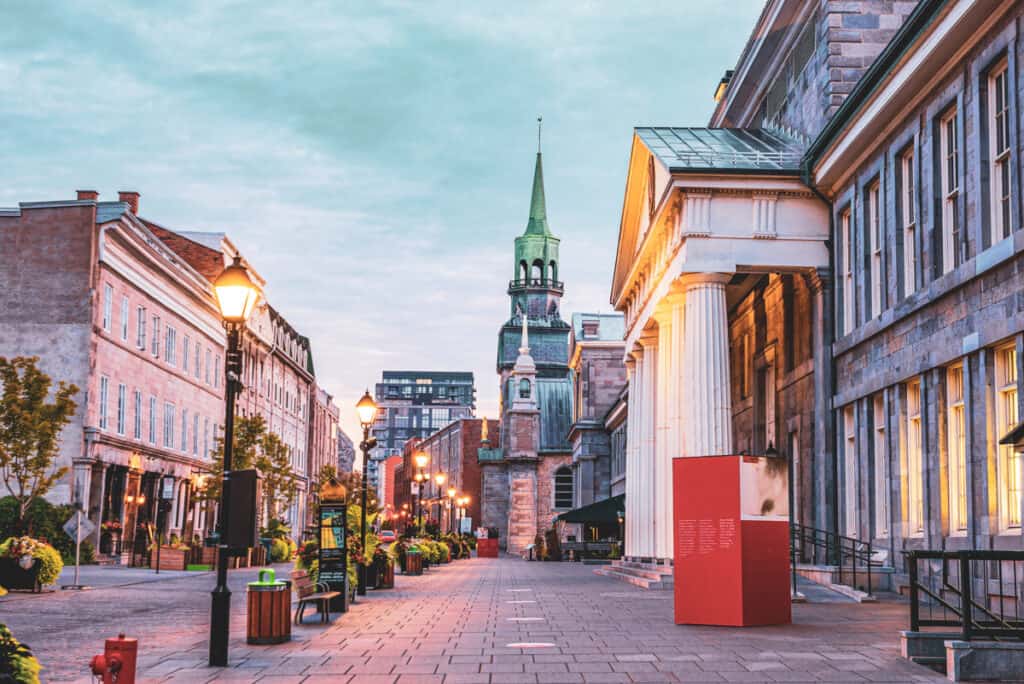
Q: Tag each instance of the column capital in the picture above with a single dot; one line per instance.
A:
(648, 339)
(818, 279)
(688, 281)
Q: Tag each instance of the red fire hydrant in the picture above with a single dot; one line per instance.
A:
(117, 664)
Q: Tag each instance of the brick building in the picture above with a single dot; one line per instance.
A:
(105, 304)
(830, 270)
(596, 352)
(453, 451)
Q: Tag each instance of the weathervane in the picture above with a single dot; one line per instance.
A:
(540, 122)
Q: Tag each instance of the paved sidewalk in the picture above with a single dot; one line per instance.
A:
(507, 620)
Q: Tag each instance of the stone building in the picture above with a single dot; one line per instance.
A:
(107, 305)
(596, 353)
(346, 452)
(830, 270)
(323, 440)
(519, 481)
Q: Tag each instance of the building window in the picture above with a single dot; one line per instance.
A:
(184, 430)
(846, 272)
(186, 347)
(908, 213)
(744, 365)
(108, 303)
(152, 420)
(881, 469)
(999, 150)
(122, 407)
(874, 228)
(563, 487)
(956, 439)
(198, 360)
(124, 318)
(155, 336)
(209, 358)
(195, 435)
(104, 391)
(171, 346)
(168, 425)
(524, 388)
(216, 370)
(140, 327)
(137, 426)
(850, 470)
(950, 177)
(1009, 465)
(206, 437)
(913, 473)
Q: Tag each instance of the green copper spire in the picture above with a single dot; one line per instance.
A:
(538, 223)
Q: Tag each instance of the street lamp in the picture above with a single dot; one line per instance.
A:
(236, 298)
(439, 478)
(422, 459)
(451, 508)
(367, 410)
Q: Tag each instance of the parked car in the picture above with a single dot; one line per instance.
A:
(387, 536)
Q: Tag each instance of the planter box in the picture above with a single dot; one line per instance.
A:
(486, 548)
(170, 558)
(13, 576)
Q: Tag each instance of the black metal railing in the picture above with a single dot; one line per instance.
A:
(536, 282)
(980, 593)
(851, 557)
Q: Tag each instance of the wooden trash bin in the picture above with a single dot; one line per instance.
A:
(269, 610)
(385, 573)
(413, 563)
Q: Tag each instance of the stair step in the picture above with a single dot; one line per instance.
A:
(624, 575)
(936, 663)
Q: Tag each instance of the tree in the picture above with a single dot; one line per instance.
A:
(353, 482)
(30, 428)
(327, 473)
(279, 484)
(248, 435)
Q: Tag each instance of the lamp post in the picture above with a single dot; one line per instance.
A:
(367, 410)
(422, 459)
(451, 508)
(236, 298)
(439, 478)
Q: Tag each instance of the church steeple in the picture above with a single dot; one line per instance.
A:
(538, 223)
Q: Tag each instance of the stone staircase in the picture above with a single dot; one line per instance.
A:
(644, 575)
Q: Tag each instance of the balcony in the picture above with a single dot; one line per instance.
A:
(528, 283)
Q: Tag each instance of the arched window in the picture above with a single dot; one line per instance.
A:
(553, 271)
(524, 270)
(538, 271)
(524, 389)
(563, 487)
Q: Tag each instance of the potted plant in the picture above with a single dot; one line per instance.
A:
(173, 554)
(28, 564)
(110, 536)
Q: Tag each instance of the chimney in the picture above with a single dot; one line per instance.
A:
(88, 194)
(131, 198)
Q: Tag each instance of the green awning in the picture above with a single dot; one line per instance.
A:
(603, 511)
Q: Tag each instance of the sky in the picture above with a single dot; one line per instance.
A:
(372, 160)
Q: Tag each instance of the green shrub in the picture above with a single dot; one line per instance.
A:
(44, 521)
(279, 551)
(50, 563)
(16, 660)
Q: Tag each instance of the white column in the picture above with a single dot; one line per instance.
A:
(707, 407)
(669, 315)
(648, 422)
(633, 369)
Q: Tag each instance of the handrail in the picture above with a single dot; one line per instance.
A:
(812, 545)
(954, 593)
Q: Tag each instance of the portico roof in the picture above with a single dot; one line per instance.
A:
(723, 150)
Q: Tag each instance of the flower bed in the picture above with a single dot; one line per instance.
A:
(171, 558)
(28, 564)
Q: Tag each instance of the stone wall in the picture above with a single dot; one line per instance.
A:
(545, 506)
(494, 498)
(523, 501)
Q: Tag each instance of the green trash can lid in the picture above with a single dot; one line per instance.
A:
(262, 582)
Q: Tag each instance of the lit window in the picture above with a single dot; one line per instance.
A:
(104, 391)
(908, 202)
(875, 242)
(956, 449)
(999, 151)
(1009, 463)
(850, 470)
(881, 469)
(108, 303)
(913, 472)
(846, 272)
(124, 318)
(950, 172)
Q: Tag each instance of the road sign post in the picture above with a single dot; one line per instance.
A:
(78, 529)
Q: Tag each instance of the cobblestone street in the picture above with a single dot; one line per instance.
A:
(480, 620)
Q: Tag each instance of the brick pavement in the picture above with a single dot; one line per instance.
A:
(505, 620)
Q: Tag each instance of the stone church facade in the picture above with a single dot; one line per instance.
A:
(831, 269)
(520, 476)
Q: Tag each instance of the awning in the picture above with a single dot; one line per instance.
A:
(1014, 436)
(604, 511)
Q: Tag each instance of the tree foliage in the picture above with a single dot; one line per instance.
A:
(279, 484)
(30, 426)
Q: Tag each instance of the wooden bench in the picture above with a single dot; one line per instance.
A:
(309, 592)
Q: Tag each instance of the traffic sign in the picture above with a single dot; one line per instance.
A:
(84, 529)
